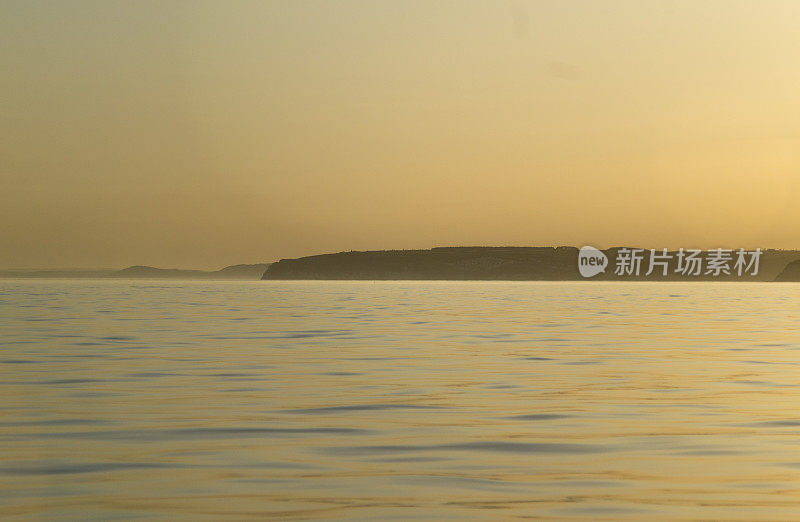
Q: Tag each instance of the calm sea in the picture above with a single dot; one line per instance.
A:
(399, 400)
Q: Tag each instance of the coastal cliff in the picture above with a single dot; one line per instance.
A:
(486, 263)
(790, 273)
(455, 263)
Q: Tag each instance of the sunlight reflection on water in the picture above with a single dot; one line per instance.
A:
(399, 400)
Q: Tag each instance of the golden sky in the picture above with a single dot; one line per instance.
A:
(201, 134)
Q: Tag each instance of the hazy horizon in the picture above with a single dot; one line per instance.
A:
(216, 268)
(202, 134)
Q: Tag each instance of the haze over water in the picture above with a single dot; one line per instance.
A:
(235, 400)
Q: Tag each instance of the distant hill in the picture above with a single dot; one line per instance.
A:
(243, 271)
(69, 273)
(229, 272)
(151, 272)
(253, 272)
(485, 263)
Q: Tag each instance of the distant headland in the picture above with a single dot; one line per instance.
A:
(496, 264)
(254, 271)
(790, 273)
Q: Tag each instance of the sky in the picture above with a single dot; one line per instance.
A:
(201, 134)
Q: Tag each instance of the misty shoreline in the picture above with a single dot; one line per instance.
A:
(242, 271)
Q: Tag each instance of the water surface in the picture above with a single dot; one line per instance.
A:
(399, 400)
